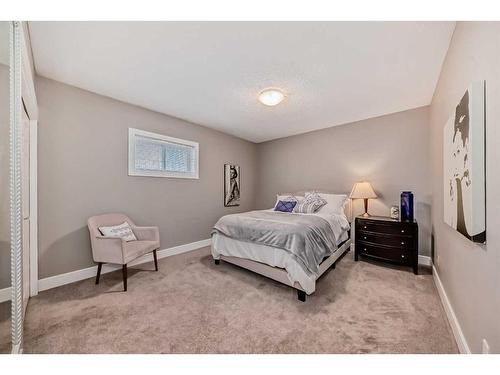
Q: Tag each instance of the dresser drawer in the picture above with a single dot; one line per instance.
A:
(401, 242)
(391, 254)
(384, 227)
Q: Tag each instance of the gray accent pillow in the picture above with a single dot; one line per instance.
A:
(311, 203)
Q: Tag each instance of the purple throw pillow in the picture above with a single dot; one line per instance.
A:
(285, 206)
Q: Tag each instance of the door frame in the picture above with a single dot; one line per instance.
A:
(15, 190)
(30, 104)
(33, 208)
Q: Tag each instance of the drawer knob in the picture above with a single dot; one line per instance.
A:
(402, 256)
(364, 249)
(364, 227)
(364, 237)
(402, 230)
(402, 243)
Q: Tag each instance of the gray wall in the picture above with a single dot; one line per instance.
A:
(469, 272)
(4, 177)
(83, 171)
(82, 160)
(389, 151)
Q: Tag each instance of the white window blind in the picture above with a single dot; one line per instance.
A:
(157, 155)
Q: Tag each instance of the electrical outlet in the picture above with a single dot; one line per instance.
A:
(437, 260)
(486, 347)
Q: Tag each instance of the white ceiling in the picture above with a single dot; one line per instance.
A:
(211, 72)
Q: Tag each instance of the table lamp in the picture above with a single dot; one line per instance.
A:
(363, 190)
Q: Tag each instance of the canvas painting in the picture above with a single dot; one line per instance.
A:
(464, 166)
(231, 185)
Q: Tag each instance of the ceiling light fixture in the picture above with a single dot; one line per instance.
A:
(271, 97)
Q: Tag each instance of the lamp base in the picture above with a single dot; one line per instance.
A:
(366, 214)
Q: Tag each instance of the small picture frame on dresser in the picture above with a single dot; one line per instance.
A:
(388, 240)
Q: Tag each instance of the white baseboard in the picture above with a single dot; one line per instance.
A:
(87, 273)
(425, 260)
(5, 294)
(463, 347)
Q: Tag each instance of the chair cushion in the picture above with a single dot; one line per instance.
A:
(134, 249)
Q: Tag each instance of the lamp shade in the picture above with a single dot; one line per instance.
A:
(362, 190)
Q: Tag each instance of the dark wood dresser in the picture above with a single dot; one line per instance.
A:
(389, 240)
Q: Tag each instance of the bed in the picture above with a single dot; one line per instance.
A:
(289, 247)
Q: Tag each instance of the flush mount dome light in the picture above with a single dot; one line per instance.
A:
(271, 97)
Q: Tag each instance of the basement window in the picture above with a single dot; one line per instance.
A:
(157, 155)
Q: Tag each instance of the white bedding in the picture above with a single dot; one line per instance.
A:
(275, 257)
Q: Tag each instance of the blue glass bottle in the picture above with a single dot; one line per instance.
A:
(406, 206)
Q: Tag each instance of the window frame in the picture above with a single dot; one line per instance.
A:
(132, 171)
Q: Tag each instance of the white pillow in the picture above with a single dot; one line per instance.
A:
(311, 204)
(335, 203)
(119, 231)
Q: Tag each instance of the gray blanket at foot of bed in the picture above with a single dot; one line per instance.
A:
(308, 238)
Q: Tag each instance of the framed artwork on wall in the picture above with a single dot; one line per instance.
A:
(464, 165)
(231, 185)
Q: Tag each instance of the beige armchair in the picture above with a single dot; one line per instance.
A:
(118, 251)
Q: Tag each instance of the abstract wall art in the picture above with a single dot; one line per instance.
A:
(464, 165)
(231, 185)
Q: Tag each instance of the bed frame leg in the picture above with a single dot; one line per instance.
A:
(217, 261)
(301, 295)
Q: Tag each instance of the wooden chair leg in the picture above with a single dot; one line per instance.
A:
(99, 267)
(124, 272)
(156, 260)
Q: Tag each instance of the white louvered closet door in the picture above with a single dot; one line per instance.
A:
(25, 182)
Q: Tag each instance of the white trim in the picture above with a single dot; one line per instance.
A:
(133, 133)
(16, 349)
(16, 217)
(463, 347)
(425, 260)
(5, 294)
(90, 272)
(33, 208)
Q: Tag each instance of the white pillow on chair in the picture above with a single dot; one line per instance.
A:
(119, 231)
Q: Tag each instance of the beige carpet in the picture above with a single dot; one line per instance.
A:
(194, 306)
(5, 338)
